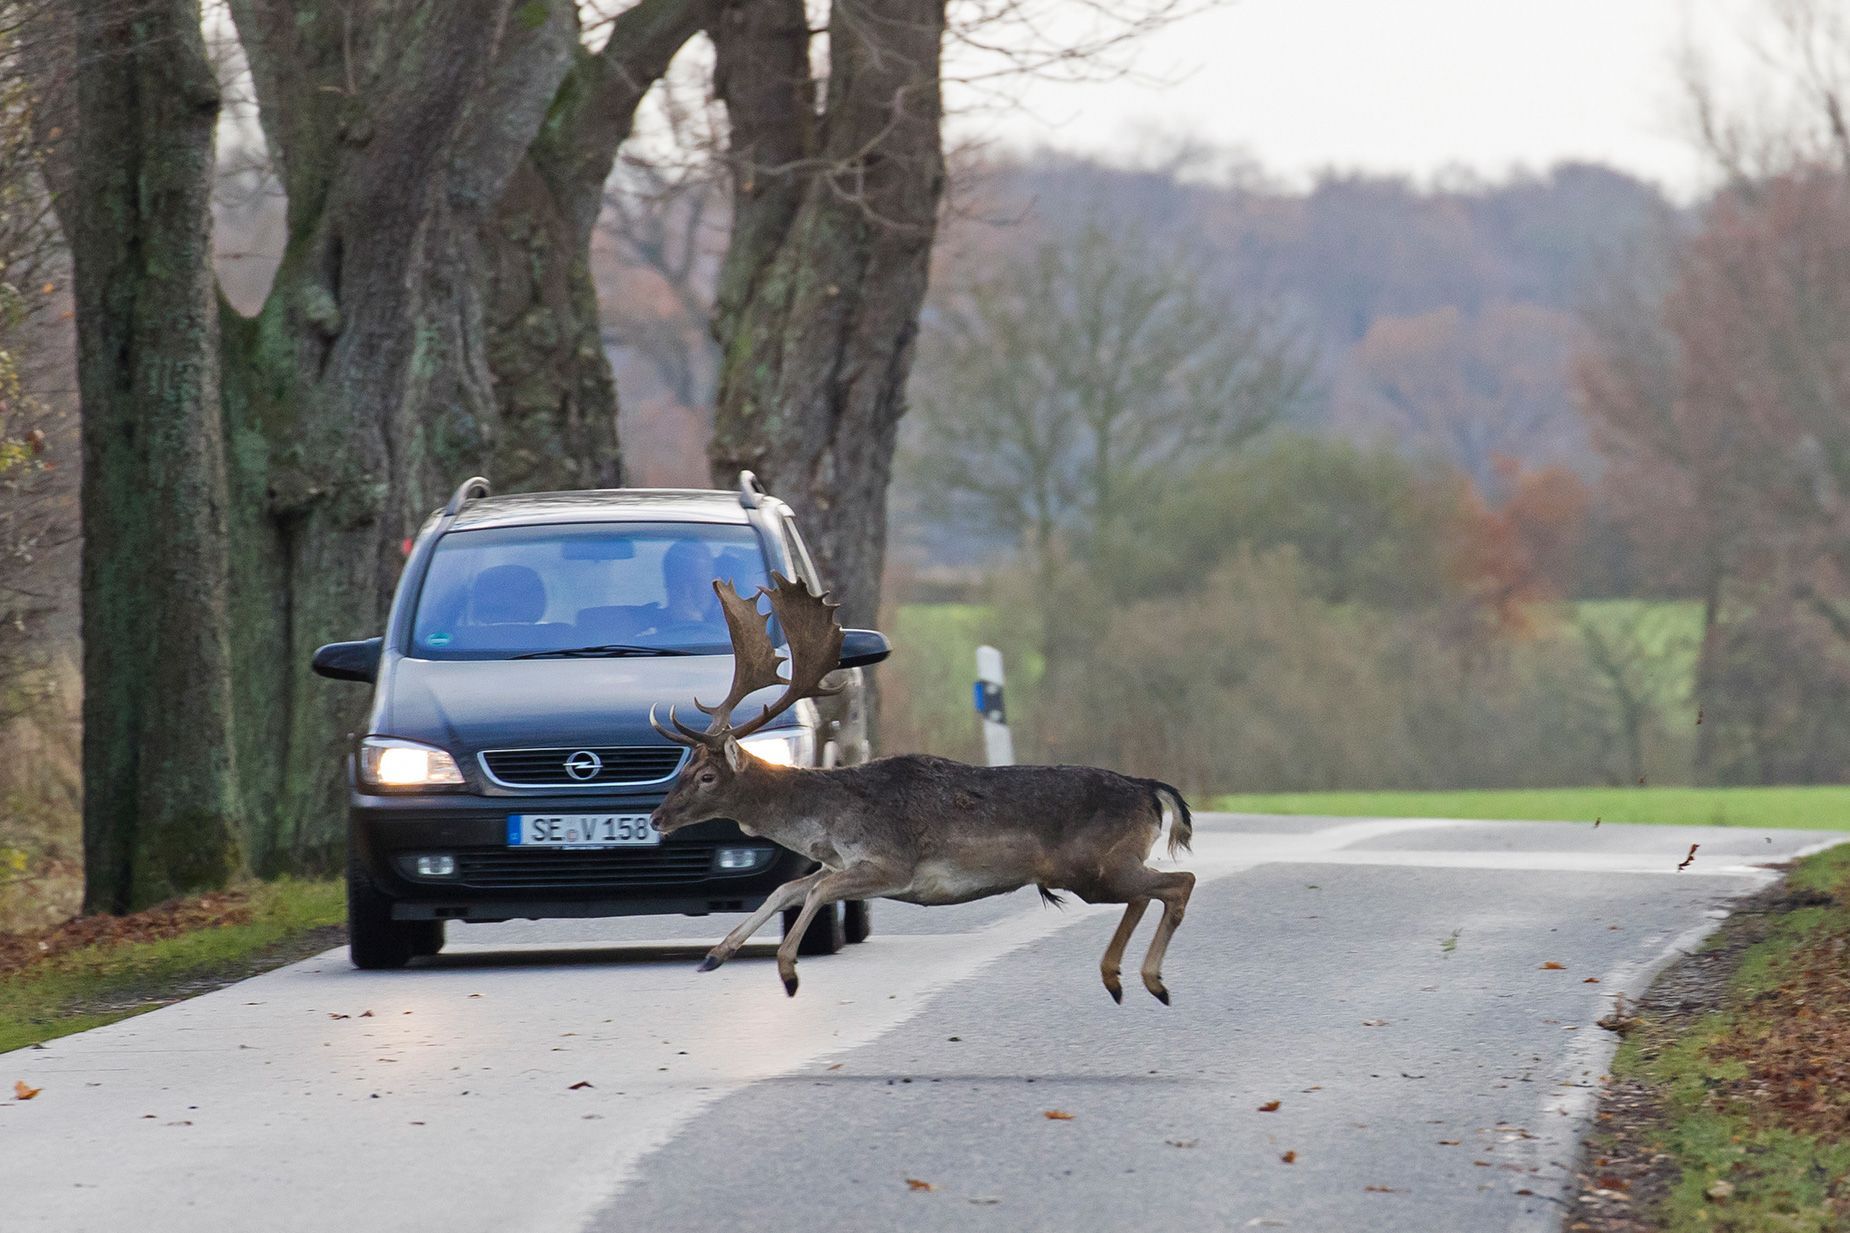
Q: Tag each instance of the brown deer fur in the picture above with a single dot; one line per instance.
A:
(921, 829)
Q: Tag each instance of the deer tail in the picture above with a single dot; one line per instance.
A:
(1182, 833)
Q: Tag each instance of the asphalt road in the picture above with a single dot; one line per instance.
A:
(1382, 981)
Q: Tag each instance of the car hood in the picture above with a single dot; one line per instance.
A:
(470, 705)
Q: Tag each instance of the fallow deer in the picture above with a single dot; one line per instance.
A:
(918, 829)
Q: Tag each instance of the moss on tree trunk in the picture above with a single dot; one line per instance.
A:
(160, 804)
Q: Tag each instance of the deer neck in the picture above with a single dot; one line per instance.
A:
(791, 806)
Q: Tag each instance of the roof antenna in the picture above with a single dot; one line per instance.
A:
(751, 492)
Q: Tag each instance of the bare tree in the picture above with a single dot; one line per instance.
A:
(1064, 385)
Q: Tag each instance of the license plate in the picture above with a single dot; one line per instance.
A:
(580, 830)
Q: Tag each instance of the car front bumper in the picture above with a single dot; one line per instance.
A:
(496, 882)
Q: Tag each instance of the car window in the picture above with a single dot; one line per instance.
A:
(505, 591)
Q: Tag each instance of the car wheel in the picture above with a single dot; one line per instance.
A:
(857, 919)
(374, 940)
(826, 933)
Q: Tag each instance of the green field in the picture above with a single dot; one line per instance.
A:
(1821, 808)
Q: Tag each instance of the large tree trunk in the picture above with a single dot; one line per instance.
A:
(556, 396)
(433, 317)
(819, 299)
(160, 800)
(361, 391)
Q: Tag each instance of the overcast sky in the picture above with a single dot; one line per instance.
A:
(1414, 86)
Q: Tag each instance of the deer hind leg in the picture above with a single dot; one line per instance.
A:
(789, 893)
(1114, 954)
(854, 882)
(1173, 889)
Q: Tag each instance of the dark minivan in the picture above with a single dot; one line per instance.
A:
(508, 768)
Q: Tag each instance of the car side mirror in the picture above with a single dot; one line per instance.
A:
(349, 661)
(861, 647)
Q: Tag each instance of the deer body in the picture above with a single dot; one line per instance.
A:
(914, 828)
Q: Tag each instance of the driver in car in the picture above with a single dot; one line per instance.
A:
(687, 581)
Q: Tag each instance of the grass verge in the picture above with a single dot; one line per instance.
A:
(96, 970)
(1728, 1107)
(1808, 808)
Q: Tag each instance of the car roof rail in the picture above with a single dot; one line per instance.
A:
(474, 486)
(751, 492)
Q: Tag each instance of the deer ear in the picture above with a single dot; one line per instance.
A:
(735, 755)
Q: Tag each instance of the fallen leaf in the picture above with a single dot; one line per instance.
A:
(913, 1183)
(335, 1015)
(1181, 1142)
(1719, 1191)
(1057, 1115)
(1552, 966)
(836, 1066)
(1374, 1023)
(366, 1014)
(582, 1083)
(1450, 1142)
(24, 1091)
(1270, 1106)
(1379, 1189)
(1691, 857)
(983, 1200)
(1289, 1158)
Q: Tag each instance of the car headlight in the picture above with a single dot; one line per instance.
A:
(387, 762)
(788, 748)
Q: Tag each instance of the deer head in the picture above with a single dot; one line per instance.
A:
(709, 786)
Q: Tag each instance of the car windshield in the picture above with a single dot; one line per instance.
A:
(582, 589)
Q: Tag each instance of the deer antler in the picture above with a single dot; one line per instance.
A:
(754, 660)
(815, 639)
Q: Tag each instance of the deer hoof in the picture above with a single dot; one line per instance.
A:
(1116, 991)
(709, 963)
(1162, 994)
(790, 984)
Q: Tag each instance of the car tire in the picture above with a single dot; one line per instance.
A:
(857, 920)
(826, 933)
(376, 942)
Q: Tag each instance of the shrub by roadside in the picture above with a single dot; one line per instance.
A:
(1728, 1107)
(94, 970)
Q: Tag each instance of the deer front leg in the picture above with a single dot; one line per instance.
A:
(1173, 889)
(854, 882)
(779, 899)
(1114, 953)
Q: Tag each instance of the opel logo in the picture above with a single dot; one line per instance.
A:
(583, 765)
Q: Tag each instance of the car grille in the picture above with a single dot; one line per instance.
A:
(616, 765)
(611, 868)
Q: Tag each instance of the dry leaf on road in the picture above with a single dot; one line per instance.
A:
(1289, 1158)
(1270, 1106)
(582, 1083)
(1552, 966)
(24, 1091)
(1690, 858)
(1057, 1115)
(913, 1183)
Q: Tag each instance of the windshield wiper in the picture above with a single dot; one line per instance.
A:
(610, 649)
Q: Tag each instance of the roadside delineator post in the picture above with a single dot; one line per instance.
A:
(998, 744)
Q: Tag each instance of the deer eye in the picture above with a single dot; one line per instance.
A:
(709, 777)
